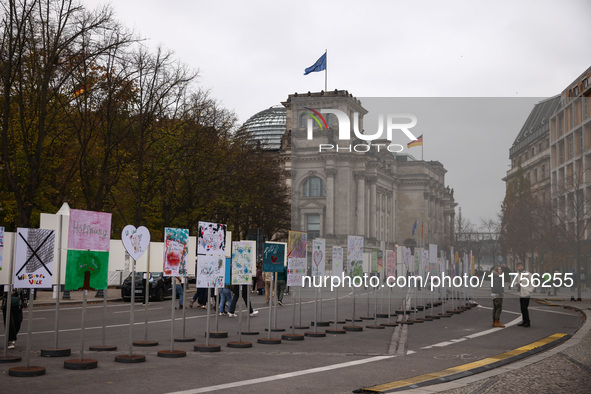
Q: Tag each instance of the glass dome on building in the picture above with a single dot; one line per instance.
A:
(268, 127)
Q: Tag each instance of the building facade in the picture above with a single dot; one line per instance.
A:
(553, 149)
(389, 198)
(570, 157)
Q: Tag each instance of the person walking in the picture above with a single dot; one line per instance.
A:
(179, 290)
(497, 291)
(281, 285)
(19, 299)
(260, 283)
(267, 276)
(225, 295)
(525, 289)
(201, 297)
(235, 296)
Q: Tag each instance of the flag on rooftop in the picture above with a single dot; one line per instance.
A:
(417, 142)
(320, 65)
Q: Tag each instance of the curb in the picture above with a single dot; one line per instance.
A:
(461, 382)
(458, 372)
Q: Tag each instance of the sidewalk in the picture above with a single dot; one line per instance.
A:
(563, 369)
(45, 298)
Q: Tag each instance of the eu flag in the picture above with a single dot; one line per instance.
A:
(320, 65)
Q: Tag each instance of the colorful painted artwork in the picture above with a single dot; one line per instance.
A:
(318, 256)
(211, 271)
(89, 230)
(274, 256)
(33, 264)
(228, 271)
(296, 269)
(87, 269)
(425, 261)
(243, 256)
(211, 239)
(176, 249)
(297, 244)
(390, 263)
(355, 255)
(374, 261)
(337, 261)
(135, 240)
(432, 253)
(406, 258)
(355, 247)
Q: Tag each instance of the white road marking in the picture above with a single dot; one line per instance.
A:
(282, 376)
(472, 336)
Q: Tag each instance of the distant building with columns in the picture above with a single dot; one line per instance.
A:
(377, 194)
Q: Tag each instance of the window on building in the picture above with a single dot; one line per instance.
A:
(331, 119)
(313, 225)
(304, 120)
(314, 187)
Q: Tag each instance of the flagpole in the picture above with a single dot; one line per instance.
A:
(326, 71)
(422, 147)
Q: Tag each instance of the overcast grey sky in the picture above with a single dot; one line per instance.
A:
(252, 54)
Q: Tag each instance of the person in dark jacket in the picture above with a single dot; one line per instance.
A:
(19, 300)
(497, 292)
(259, 279)
(235, 297)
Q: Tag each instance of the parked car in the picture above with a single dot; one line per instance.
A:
(160, 286)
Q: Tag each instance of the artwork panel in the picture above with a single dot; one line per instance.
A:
(211, 239)
(337, 261)
(33, 265)
(297, 244)
(81, 264)
(243, 257)
(355, 247)
(355, 268)
(390, 263)
(318, 257)
(274, 256)
(89, 230)
(296, 269)
(210, 271)
(135, 240)
(228, 271)
(176, 249)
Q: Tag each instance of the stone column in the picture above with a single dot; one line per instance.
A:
(373, 207)
(360, 177)
(330, 201)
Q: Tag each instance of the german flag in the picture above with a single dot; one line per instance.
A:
(417, 142)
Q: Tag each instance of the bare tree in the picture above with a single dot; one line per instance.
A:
(571, 211)
(44, 42)
(517, 225)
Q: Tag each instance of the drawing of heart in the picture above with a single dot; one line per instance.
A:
(273, 259)
(135, 241)
(318, 257)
